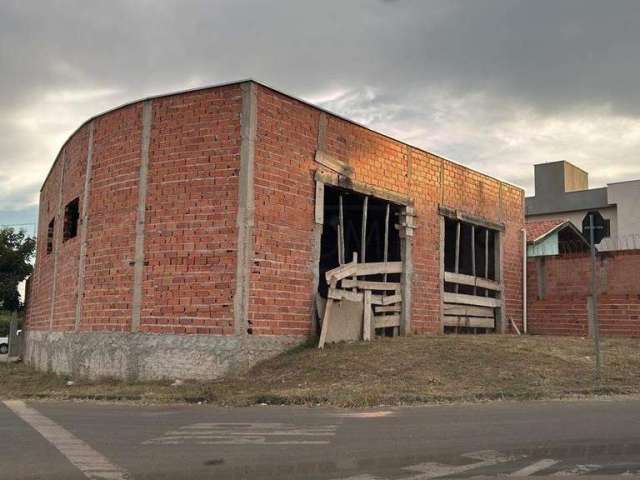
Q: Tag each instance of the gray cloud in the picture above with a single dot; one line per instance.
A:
(494, 84)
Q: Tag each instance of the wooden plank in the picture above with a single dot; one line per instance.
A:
(375, 268)
(333, 163)
(325, 319)
(343, 271)
(391, 299)
(472, 300)
(387, 309)
(515, 326)
(471, 281)
(366, 318)
(354, 259)
(339, 294)
(386, 299)
(361, 187)
(468, 310)
(366, 285)
(383, 321)
(474, 322)
(363, 232)
(479, 221)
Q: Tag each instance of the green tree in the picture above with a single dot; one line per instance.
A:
(16, 251)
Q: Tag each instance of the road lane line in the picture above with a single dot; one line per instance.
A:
(487, 458)
(578, 470)
(90, 462)
(535, 467)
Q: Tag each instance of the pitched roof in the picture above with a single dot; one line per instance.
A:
(539, 229)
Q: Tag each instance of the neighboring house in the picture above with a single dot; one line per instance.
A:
(553, 237)
(562, 193)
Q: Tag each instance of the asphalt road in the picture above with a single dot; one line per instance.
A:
(87, 440)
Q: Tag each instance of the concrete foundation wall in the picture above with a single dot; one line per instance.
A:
(148, 356)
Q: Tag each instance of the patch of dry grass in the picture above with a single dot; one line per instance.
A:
(407, 370)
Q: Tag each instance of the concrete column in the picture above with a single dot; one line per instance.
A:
(502, 321)
(406, 252)
(84, 227)
(316, 252)
(246, 207)
(138, 266)
(441, 226)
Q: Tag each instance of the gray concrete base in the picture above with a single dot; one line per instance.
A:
(148, 356)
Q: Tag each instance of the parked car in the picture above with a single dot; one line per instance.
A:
(4, 343)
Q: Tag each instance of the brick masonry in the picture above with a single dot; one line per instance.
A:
(563, 309)
(193, 213)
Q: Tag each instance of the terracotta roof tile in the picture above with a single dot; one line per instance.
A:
(538, 228)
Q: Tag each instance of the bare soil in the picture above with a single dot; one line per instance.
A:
(390, 371)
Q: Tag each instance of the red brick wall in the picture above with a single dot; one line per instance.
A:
(567, 280)
(281, 280)
(39, 311)
(67, 271)
(192, 198)
(190, 233)
(112, 216)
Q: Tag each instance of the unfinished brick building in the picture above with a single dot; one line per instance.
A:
(190, 233)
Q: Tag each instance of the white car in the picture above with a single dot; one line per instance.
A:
(4, 343)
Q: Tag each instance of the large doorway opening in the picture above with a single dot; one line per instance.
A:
(360, 265)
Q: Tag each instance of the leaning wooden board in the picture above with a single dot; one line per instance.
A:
(384, 321)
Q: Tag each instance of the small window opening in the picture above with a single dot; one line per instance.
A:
(50, 230)
(71, 217)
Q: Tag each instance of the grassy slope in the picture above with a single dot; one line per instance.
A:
(389, 371)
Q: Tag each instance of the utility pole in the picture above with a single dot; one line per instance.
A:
(594, 298)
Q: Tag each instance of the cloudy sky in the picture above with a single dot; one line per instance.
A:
(497, 85)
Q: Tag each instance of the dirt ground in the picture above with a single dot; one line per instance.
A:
(390, 371)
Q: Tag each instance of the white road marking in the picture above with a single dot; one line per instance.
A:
(535, 467)
(246, 434)
(434, 470)
(379, 414)
(364, 476)
(90, 462)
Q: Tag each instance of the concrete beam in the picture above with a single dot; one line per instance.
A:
(246, 207)
(360, 187)
(138, 266)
